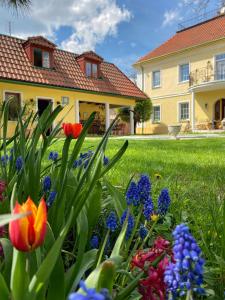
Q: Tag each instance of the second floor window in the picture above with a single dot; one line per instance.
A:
(220, 67)
(14, 105)
(41, 58)
(91, 70)
(156, 79)
(156, 116)
(184, 72)
(184, 111)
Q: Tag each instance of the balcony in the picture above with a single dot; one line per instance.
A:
(207, 78)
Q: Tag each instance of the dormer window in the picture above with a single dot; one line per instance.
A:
(41, 58)
(91, 70)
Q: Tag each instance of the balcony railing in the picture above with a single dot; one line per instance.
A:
(205, 75)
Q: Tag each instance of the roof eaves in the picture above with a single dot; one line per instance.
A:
(139, 62)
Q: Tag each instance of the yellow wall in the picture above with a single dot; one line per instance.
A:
(29, 92)
(172, 91)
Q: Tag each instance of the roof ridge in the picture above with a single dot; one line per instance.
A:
(201, 23)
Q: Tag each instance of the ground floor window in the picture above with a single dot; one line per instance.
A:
(184, 111)
(156, 113)
(14, 105)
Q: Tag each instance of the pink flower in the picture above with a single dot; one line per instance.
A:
(153, 287)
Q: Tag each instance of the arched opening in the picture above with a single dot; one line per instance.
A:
(219, 112)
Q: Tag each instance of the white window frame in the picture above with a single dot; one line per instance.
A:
(45, 62)
(215, 67)
(179, 72)
(14, 92)
(160, 79)
(160, 114)
(179, 111)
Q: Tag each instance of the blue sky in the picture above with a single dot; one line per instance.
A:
(119, 30)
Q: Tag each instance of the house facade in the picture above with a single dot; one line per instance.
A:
(185, 78)
(35, 72)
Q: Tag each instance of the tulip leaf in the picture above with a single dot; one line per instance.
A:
(19, 277)
(7, 218)
(45, 270)
(8, 251)
(5, 294)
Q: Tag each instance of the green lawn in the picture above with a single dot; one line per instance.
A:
(192, 170)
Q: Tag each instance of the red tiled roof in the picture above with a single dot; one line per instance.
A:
(15, 65)
(207, 31)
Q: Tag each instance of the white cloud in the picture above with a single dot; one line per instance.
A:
(91, 21)
(171, 16)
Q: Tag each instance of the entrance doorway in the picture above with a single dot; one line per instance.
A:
(219, 112)
(42, 105)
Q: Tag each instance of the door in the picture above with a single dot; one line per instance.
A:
(42, 105)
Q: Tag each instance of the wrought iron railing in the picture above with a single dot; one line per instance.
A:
(204, 75)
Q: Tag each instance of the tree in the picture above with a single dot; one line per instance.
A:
(142, 112)
(16, 4)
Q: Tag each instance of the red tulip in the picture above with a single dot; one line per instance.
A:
(72, 130)
(28, 233)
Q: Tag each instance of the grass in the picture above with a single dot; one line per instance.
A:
(194, 173)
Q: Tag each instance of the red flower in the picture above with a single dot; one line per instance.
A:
(72, 130)
(28, 233)
(2, 189)
(153, 287)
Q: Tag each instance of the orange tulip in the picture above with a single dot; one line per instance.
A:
(72, 130)
(28, 233)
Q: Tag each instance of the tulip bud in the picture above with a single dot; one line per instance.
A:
(72, 130)
(28, 233)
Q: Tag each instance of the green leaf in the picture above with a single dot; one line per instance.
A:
(118, 198)
(8, 254)
(48, 264)
(19, 278)
(7, 218)
(4, 291)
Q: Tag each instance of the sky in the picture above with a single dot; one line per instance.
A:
(121, 31)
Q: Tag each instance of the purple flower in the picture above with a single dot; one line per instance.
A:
(163, 202)
(186, 274)
(111, 221)
(47, 183)
(91, 294)
(132, 195)
(144, 188)
(143, 231)
(130, 223)
(148, 208)
(94, 242)
(19, 163)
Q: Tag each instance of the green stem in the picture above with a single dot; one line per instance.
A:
(102, 249)
(189, 295)
(148, 235)
(134, 231)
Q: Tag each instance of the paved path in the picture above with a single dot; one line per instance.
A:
(167, 137)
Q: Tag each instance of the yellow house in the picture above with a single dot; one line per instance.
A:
(35, 72)
(185, 78)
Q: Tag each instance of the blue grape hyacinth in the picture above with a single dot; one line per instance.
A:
(143, 231)
(111, 221)
(132, 195)
(130, 223)
(105, 160)
(94, 242)
(4, 160)
(53, 156)
(19, 163)
(148, 208)
(186, 274)
(163, 202)
(90, 294)
(144, 188)
(47, 183)
(51, 198)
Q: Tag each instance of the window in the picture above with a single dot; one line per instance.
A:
(88, 69)
(14, 105)
(184, 111)
(46, 59)
(37, 57)
(156, 114)
(220, 67)
(41, 58)
(91, 70)
(156, 79)
(184, 72)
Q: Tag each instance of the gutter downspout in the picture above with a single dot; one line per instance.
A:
(142, 79)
